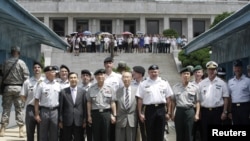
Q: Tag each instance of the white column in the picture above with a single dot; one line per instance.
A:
(166, 23)
(46, 20)
(190, 28)
(70, 25)
(118, 26)
(143, 24)
(93, 28)
(44, 48)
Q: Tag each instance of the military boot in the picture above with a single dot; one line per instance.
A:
(21, 134)
(2, 130)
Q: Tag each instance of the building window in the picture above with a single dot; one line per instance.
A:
(106, 26)
(82, 25)
(177, 26)
(129, 25)
(198, 27)
(59, 27)
(152, 27)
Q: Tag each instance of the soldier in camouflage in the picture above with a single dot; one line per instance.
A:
(16, 72)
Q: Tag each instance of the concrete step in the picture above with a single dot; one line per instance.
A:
(94, 61)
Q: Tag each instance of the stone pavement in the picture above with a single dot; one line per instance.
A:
(168, 63)
(11, 134)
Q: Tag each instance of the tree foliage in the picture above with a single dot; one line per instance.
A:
(199, 57)
(220, 18)
(202, 56)
(169, 33)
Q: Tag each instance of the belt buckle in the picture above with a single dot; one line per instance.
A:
(100, 110)
(210, 109)
(238, 104)
(156, 105)
(51, 108)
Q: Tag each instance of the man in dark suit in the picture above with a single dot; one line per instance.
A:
(72, 110)
(126, 120)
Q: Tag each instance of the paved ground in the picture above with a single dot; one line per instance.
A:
(168, 63)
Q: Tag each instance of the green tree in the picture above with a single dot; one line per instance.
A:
(202, 56)
(220, 18)
(169, 33)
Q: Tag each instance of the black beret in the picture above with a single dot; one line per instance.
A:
(153, 67)
(221, 71)
(86, 72)
(186, 69)
(108, 59)
(64, 66)
(99, 71)
(49, 68)
(238, 63)
(37, 63)
(139, 69)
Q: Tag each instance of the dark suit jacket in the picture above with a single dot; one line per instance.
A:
(70, 113)
(126, 116)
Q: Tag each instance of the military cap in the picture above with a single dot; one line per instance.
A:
(153, 67)
(56, 69)
(187, 69)
(37, 63)
(86, 72)
(139, 69)
(248, 67)
(211, 65)
(108, 59)
(221, 71)
(197, 67)
(122, 64)
(49, 68)
(64, 66)
(15, 48)
(99, 71)
(238, 63)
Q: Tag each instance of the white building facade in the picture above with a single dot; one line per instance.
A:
(187, 17)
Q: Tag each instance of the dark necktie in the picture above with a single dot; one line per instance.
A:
(126, 99)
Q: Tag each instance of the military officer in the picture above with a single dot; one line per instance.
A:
(155, 94)
(198, 74)
(63, 73)
(113, 79)
(186, 96)
(239, 88)
(15, 72)
(213, 99)
(48, 95)
(101, 110)
(86, 83)
(28, 94)
(86, 79)
(138, 74)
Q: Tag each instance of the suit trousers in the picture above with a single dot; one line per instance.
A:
(209, 116)
(31, 123)
(184, 120)
(155, 122)
(48, 128)
(101, 125)
(241, 113)
(70, 132)
(125, 133)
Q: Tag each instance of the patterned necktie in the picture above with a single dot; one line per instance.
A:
(126, 99)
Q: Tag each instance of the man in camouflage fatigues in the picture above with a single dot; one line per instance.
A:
(13, 84)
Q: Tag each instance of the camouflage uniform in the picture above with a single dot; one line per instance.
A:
(13, 84)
